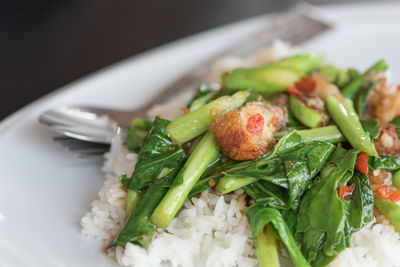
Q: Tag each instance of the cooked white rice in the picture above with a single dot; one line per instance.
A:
(211, 230)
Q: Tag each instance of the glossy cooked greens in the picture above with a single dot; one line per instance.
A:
(324, 232)
(294, 187)
(158, 163)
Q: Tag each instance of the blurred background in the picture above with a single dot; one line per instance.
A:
(46, 44)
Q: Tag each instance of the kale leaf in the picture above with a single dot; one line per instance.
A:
(159, 160)
(136, 134)
(324, 232)
(259, 216)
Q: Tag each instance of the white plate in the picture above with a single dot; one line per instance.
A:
(44, 191)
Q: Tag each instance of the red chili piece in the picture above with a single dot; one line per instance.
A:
(384, 191)
(293, 91)
(346, 191)
(362, 163)
(306, 84)
(395, 196)
(255, 124)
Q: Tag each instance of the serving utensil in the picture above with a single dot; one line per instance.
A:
(100, 125)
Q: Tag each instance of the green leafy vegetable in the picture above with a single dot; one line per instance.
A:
(361, 206)
(275, 77)
(268, 248)
(292, 170)
(138, 228)
(329, 134)
(306, 115)
(324, 232)
(372, 127)
(259, 216)
(159, 160)
(203, 155)
(390, 210)
(351, 89)
(384, 162)
(361, 98)
(196, 122)
(136, 134)
(204, 95)
(343, 114)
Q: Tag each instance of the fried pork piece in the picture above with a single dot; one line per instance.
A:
(388, 142)
(247, 133)
(324, 88)
(383, 102)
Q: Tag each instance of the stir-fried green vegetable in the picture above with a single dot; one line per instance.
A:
(136, 134)
(306, 115)
(329, 134)
(196, 122)
(296, 188)
(324, 232)
(390, 210)
(292, 170)
(268, 248)
(204, 154)
(159, 162)
(275, 77)
(343, 114)
(355, 85)
(260, 216)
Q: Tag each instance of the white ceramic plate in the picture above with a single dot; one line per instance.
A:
(44, 191)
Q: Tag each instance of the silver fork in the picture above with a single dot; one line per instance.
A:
(99, 125)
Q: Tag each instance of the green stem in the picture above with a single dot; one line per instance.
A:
(205, 152)
(230, 183)
(275, 77)
(132, 198)
(354, 86)
(138, 229)
(343, 114)
(329, 134)
(196, 122)
(390, 210)
(396, 179)
(201, 101)
(267, 248)
(307, 116)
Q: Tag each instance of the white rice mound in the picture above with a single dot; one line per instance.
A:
(211, 230)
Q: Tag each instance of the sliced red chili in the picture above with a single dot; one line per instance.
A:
(293, 91)
(185, 110)
(346, 191)
(306, 84)
(362, 163)
(395, 196)
(255, 124)
(384, 191)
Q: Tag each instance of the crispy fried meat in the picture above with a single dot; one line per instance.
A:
(247, 133)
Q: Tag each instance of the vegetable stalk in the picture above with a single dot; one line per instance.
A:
(329, 133)
(343, 114)
(275, 77)
(267, 248)
(230, 183)
(390, 210)
(132, 198)
(205, 153)
(196, 122)
(354, 86)
(306, 115)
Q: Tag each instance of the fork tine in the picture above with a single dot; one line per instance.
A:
(81, 149)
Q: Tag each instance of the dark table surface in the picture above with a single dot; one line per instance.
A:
(46, 44)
